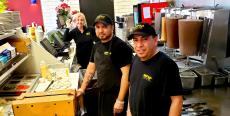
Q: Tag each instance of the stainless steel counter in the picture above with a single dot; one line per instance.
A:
(218, 99)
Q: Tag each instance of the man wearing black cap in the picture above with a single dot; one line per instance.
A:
(155, 85)
(111, 58)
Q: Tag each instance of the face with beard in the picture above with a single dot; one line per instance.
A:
(104, 32)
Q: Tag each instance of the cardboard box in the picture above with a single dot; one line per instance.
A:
(52, 103)
(4, 46)
(12, 51)
(22, 45)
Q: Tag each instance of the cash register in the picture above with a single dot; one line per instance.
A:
(55, 51)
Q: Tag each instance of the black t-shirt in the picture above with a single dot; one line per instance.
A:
(84, 43)
(121, 52)
(152, 82)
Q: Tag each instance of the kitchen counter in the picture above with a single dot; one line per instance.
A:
(218, 99)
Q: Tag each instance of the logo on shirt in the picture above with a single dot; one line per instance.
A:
(107, 53)
(88, 33)
(147, 77)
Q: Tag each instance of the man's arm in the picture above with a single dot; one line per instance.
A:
(87, 77)
(119, 105)
(128, 112)
(176, 106)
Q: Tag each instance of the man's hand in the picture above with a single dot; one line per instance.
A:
(118, 107)
(128, 113)
(80, 92)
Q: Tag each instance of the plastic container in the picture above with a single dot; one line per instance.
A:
(39, 34)
(60, 70)
(43, 69)
(32, 33)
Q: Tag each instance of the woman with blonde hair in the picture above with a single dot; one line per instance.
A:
(78, 16)
(83, 36)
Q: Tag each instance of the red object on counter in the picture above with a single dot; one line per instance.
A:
(22, 87)
(149, 9)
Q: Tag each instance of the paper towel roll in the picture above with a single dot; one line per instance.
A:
(172, 32)
(189, 35)
(163, 30)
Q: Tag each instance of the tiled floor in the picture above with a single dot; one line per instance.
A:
(218, 99)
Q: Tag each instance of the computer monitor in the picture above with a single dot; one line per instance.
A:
(58, 41)
(46, 44)
(59, 34)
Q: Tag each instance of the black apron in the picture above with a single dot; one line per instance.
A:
(109, 78)
(107, 74)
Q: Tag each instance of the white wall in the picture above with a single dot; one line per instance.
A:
(49, 13)
(123, 7)
(222, 3)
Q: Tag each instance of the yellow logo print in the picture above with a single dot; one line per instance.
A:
(107, 53)
(139, 26)
(88, 33)
(147, 77)
(101, 17)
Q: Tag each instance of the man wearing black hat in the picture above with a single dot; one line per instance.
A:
(155, 85)
(111, 58)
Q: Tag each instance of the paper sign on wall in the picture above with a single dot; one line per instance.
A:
(146, 12)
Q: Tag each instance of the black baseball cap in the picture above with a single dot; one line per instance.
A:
(103, 18)
(143, 29)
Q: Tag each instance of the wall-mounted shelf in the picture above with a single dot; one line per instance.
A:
(7, 34)
(12, 66)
